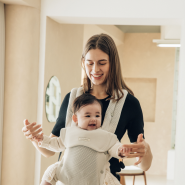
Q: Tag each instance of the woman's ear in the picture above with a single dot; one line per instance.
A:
(74, 118)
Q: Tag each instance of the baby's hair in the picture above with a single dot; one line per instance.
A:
(83, 100)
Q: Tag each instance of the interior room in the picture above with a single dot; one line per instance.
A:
(41, 44)
(146, 69)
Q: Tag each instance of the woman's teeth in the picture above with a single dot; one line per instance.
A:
(97, 75)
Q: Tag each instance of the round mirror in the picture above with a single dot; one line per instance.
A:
(53, 99)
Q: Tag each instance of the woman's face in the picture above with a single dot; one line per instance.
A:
(97, 66)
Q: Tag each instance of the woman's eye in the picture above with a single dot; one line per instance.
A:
(90, 64)
(97, 115)
(87, 116)
(102, 63)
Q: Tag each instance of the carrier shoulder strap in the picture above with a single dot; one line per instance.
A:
(74, 93)
(113, 114)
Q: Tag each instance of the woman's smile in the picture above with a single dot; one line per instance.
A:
(96, 77)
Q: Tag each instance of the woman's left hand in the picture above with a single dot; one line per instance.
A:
(138, 149)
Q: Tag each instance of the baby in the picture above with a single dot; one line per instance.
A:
(88, 148)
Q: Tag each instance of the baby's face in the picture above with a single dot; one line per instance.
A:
(89, 116)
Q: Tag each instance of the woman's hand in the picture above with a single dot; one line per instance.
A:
(39, 137)
(31, 129)
(122, 151)
(138, 149)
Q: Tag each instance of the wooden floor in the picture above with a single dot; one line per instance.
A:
(151, 180)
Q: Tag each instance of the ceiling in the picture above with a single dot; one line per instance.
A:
(139, 29)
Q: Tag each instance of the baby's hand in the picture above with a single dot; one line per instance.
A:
(122, 151)
(38, 137)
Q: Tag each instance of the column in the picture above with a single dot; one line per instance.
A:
(180, 125)
(22, 27)
(2, 61)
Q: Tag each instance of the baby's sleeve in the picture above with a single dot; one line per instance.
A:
(55, 144)
(113, 151)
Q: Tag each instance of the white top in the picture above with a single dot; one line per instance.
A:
(83, 150)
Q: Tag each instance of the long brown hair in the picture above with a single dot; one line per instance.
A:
(114, 80)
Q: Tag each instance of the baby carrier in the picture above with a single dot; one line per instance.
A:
(89, 168)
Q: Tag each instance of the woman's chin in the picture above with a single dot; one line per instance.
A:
(98, 83)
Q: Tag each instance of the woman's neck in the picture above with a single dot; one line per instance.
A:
(99, 91)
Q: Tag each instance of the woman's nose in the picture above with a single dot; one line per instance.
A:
(95, 68)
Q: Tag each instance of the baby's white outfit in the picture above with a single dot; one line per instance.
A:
(83, 150)
(85, 161)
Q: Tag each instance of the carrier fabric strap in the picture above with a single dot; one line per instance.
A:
(74, 93)
(112, 114)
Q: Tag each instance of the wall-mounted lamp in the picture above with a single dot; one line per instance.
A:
(167, 43)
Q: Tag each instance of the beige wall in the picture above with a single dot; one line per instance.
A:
(33, 3)
(21, 91)
(62, 59)
(142, 59)
(113, 31)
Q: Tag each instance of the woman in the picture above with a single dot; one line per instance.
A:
(104, 80)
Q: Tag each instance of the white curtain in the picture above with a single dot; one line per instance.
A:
(2, 61)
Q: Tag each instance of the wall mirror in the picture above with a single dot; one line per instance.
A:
(52, 99)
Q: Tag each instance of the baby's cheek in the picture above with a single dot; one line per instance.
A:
(99, 123)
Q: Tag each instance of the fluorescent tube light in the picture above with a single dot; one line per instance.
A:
(167, 43)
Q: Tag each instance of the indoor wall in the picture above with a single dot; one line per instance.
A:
(149, 71)
(62, 59)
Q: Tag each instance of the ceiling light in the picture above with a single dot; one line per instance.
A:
(167, 43)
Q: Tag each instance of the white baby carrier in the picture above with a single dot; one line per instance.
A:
(87, 169)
